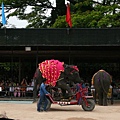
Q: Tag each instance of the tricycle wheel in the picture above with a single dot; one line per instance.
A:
(48, 105)
(91, 105)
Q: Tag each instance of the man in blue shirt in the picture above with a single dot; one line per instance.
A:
(43, 92)
(78, 85)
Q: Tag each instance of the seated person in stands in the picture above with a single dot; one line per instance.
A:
(2, 85)
(6, 88)
(17, 90)
(23, 87)
(109, 95)
(92, 90)
(29, 90)
(11, 88)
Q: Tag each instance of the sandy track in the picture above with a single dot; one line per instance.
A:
(74, 112)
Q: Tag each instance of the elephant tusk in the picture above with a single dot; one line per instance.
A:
(60, 79)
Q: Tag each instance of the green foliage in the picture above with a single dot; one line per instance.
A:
(60, 22)
(84, 13)
(35, 16)
(98, 17)
(5, 66)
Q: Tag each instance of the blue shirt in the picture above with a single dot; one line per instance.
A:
(43, 90)
(78, 86)
(83, 85)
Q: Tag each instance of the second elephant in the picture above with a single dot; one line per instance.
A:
(102, 81)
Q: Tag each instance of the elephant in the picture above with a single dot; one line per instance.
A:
(101, 81)
(65, 73)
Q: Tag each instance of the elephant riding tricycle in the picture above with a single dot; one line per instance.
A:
(59, 75)
(79, 98)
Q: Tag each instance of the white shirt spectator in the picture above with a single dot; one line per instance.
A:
(0, 88)
(32, 82)
(29, 87)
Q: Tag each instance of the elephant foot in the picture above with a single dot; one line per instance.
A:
(111, 102)
(66, 96)
(34, 100)
(70, 98)
(105, 105)
(100, 104)
(65, 100)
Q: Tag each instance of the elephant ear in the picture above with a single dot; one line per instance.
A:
(66, 69)
(65, 66)
(75, 68)
(70, 68)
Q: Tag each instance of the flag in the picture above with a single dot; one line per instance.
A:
(68, 15)
(3, 15)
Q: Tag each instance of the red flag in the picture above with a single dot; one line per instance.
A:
(68, 15)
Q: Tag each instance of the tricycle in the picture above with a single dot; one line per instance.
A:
(79, 97)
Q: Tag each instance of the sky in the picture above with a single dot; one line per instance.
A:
(23, 23)
(18, 23)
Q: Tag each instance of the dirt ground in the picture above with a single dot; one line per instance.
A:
(73, 112)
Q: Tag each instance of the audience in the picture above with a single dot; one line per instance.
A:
(17, 90)
(23, 87)
(29, 90)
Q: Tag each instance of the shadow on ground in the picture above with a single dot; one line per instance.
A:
(59, 109)
(75, 118)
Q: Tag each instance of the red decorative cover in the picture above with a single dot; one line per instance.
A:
(51, 70)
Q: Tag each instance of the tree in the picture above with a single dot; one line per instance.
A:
(92, 14)
(36, 16)
(37, 8)
(84, 13)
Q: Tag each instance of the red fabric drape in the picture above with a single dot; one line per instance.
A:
(51, 70)
(68, 15)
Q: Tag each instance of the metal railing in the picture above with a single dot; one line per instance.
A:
(6, 93)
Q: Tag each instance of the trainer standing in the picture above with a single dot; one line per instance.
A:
(43, 92)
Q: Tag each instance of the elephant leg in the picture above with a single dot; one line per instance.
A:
(64, 87)
(94, 95)
(35, 91)
(63, 92)
(112, 98)
(104, 99)
(100, 98)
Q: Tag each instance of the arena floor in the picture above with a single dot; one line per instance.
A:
(25, 111)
